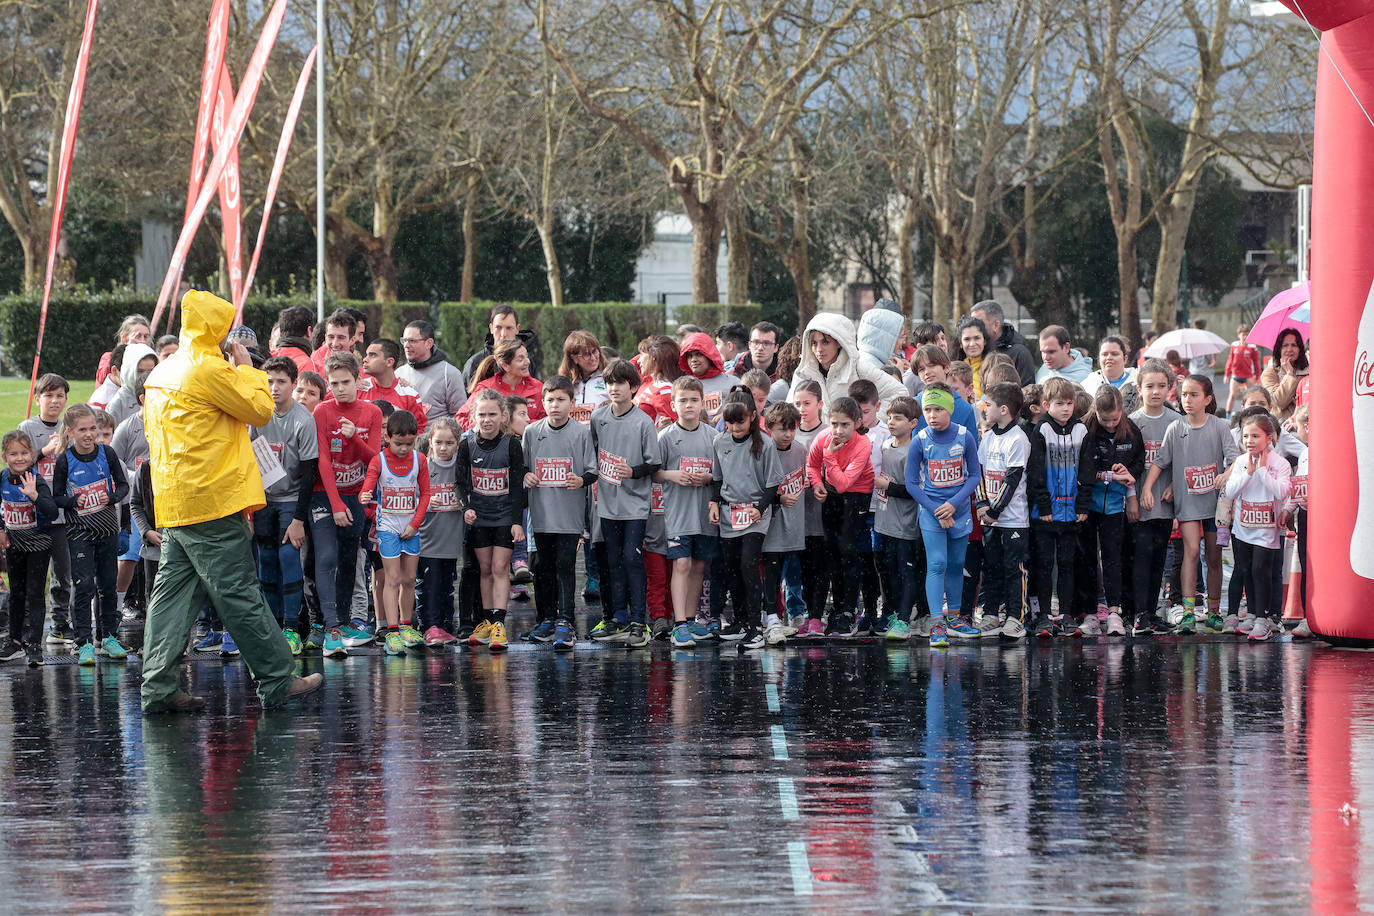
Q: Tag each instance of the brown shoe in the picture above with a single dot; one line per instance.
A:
(179, 702)
(303, 685)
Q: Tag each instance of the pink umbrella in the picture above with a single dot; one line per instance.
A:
(1278, 316)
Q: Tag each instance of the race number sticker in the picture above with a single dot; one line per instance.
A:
(399, 500)
(1151, 450)
(46, 464)
(553, 472)
(739, 516)
(793, 483)
(993, 482)
(945, 472)
(20, 516)
(1299, 490)
(491, 481)
(91, 498)
(699, 467)
(1256, 515)
(443, 497)
(608, 467)
(1201, 479)
(880, 500)
(348, 475)
(656, 499)
(711, 402)
(582, 413)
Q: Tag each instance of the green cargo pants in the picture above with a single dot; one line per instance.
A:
(215, 560)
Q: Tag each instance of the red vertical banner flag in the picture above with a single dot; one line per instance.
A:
(229, 187)
(64, 174)
(238, 117)
(287, 130)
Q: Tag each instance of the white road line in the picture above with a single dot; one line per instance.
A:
(787, 795)
(801, 869)
(779, 743)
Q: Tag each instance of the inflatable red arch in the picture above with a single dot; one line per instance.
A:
(1340, 587)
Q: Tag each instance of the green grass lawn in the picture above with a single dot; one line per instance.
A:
(14, 392)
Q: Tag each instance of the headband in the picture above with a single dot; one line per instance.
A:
(934, 397)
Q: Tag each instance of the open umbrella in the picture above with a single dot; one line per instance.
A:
(1288, 309)
(1189, 342)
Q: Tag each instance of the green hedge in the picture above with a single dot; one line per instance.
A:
(82, 324)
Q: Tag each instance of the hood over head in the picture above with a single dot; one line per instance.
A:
(205, 321)
(835, 325)
(879, 330)
(703, 344)
(134, 353)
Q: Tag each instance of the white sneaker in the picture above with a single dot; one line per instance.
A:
(1013, 629)
(923, 625)
(775, 634)
(1175, 615)
(1303, 631)
(1089, 626)
(793, 626)
(1115, 625)
(1245, 624)
(1262, 630)
(1231, 623)
(989, 623)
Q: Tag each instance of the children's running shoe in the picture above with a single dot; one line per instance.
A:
(1013, 628)
(293, 640)
(542, 632)
(897, 629)
(1143, 626)
(810, 628)
(1214, 623)
(438, 636)
(862, 627)
(393, 644)
(604, 628)
(636, 636)
(795, 624)
(924, 623)
(10, 650)
(520, 572)
(1246, 624)
(988, 624)
(1229, 624)
(464, 632)
(1187, 624)
(775, 634)
(111, 649)
(34, 656)
(661, 628)
(1046, 628)
(498, 641)
(210, 643)
(1115, 625)
(1302, 630)
(960, 628)
(880, 625)
(732, 632)
(563, 636)
(227, 646)
(411, 636)
(85, 656)
(1263, 630)
(938, 637)
(712, 630)
(1088, 626)
(333, 644)
(59, 636)
(592, 593)
(362, 626)
(701, 633)
(355, 637)
(682, 637)
(841, 624)
(616, 631)
(481, 634)
(520, 592)
(316, 638)
(752, 639)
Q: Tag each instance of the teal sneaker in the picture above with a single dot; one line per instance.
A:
(1214, 623)
(354, 638)
(85, 656)
(316, 638)
(897, 628)
(111, 649)
(938, 638)
(394, 644)
(682, 637)
(293, 639)
(1187, 625)
(334, 644)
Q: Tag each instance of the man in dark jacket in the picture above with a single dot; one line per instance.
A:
(1008, 341)
(764, 340)
(502, 325)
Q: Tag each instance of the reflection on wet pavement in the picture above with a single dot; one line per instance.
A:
(1158, 776)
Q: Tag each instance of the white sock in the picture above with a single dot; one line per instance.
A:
(774, 621)
(119, 601)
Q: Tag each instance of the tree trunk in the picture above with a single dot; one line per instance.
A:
(799, 254)
(551, 268)
(906, 257)
(34, 244)
(939, 288)
(335, 264)
(1127, 262)
(469, 279)
(738, 261)
(1173, 234)
(961, 270)
(706, 229)
(382, 266)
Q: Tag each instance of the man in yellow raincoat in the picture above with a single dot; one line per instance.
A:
(199, 405)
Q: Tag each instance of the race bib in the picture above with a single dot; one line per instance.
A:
(993, 482)
(608, 468)
(443, 497)
(349, 475)
(1257, 515)
(1151, 450)
(91, 498)
(711, 402)
(1299, 490)
(946, 472)
(46, 464)
(880, 500)
(794, 483)
(276, 448)
(140, 461)
(656, 499)
(696, 466)
(1201, 479)
(20, 516)
(491, 481)
(582, 413)
(399, 500)
(553, 472)
(739, 516)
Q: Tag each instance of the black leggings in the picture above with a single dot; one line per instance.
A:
(1149, 543)
(772, 581)
(742, 557)
(555, 576)
(815, 576)
(1255, 566)
(843, 518)
(1106, 537)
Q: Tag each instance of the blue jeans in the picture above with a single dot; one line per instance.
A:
(792, 584)
(944, 569)
(629, 584)
(279, 563)
(336, 556)
(901, 571)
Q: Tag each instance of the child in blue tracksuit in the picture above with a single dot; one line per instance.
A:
(942, 471)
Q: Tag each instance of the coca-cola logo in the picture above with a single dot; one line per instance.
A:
(1364, 374)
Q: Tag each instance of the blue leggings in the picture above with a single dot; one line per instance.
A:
(944, 569)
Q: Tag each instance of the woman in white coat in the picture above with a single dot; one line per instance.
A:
(831, 357)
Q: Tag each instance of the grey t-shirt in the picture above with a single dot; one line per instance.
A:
(41, 433)
(1152, 430)
(292, 436)
(656, 531)
(787, 531)
(805, 438)
(631, 438)
(895, 516)
(744, 479)
(553, 455)
(687, 510)
(130, 443)
(1194, 458)
(713, 392)
(441, 533)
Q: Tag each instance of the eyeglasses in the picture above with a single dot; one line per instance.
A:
(762, 343)
(412, 340)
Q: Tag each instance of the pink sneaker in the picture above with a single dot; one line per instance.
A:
(812, 627)
(437, 636)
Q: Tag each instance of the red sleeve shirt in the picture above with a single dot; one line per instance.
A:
(401, 466)
(399, 395)
(849, 469)
(344, 459)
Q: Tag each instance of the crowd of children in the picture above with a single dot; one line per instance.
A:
(966, 507)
